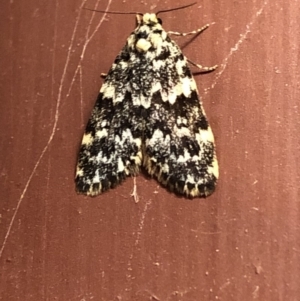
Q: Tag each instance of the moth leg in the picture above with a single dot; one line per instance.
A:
(103, 75)
(183, 34)
(197, 31)
(203, 68)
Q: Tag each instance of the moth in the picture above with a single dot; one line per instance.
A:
(148, 114)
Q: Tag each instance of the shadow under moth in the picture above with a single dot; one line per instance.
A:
(148, 114)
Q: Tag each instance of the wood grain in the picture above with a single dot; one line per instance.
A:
(242, 243)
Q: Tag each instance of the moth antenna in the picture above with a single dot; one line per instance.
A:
(113, 12)
(176, 8)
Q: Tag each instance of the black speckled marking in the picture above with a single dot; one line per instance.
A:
(148, 113)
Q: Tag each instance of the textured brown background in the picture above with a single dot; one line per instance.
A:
(242, 243)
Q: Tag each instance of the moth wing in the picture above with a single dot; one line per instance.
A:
(111, 145)
(179, 145)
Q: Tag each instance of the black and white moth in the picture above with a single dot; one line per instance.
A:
(148, 114)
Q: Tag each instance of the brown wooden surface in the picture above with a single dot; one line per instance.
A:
(242, 243)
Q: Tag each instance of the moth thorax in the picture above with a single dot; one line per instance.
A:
(151, 33)
(142, 45)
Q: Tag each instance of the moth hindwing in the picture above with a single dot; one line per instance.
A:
(148, 113)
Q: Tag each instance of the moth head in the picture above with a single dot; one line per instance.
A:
(148, 19)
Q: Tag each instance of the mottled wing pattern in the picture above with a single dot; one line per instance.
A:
(148, 112)
(111, 145)
(179, 146)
